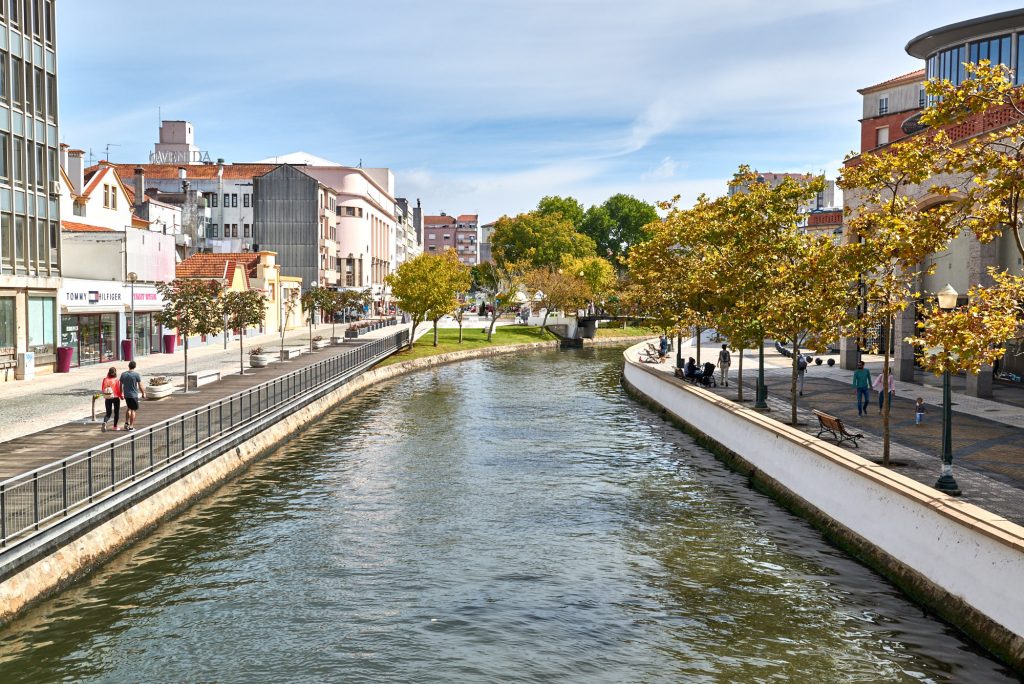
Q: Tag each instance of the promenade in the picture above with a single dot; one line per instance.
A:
(988, 440)
(35, 447)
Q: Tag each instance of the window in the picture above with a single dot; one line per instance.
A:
(227, 200)
(447, 236)
(432, 236)
(18, 158)
(234, 200)
(79, 209)
(41, 166)
(36, 23)
(40, 92)
(213, 230)
(234, 230)
(883, 105)
(29, 90)
(7, 326)
(947, 64)
(5, 160)
(17, 81)
(432, 248)
(3, 76)
(350, 211)
(246, 200)
(921, 98)
(14, 11)
(106, 196)
(113, 197)
(881, 136)
(995, 50)
(41, 328)
(246, 230)
(48, 22)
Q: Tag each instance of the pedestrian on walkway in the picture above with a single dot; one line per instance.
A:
(111, 390)
(663, 349)
(724, 359)
(801, 372)
(132, 390)
(918, 411)
(862, 381)
(879, 384)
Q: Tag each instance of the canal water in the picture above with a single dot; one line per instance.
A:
(515, 519)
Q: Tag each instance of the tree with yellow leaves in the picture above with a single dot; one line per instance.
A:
(426, 287)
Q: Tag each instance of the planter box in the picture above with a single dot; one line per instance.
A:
(351, 334)
(259, 360)
(154, 392)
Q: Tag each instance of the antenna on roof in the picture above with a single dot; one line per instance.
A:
(109, 145)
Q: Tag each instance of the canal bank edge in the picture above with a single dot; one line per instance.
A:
(95, 535)
(959, 560)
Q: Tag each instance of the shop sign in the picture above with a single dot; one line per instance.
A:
(90, 294)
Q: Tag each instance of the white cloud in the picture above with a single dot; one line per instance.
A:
(663, 171)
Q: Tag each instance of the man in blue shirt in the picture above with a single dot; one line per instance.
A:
(132, 389)
(862, 381)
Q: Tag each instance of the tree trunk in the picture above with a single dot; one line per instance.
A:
(795, 371)
(739, 376)
(544, 323)
(460, 331)
(698, 346)
(241, 357)
(679, 350)
(494, 319)
(886, 396)
(435, 332)
(186, 363)
(412, 333)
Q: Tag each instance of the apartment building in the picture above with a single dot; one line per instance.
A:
(30, 257)
(891, 109)
(461, 233)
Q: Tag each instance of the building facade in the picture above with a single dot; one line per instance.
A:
(461, 233)
(890, 108)
(30, 257)
(999, 38)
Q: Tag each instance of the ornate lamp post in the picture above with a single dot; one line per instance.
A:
(947, 297)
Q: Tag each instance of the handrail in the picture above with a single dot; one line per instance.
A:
(32, 499)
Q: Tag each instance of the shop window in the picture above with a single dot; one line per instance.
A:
(41, 327)
(7, 325)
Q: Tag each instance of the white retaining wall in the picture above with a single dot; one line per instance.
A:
(970, 553)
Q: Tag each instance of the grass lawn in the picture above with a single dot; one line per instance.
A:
(613, 331)
(474, 336)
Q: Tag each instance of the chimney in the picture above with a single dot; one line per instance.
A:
(76, 170)
(140, 189)
(64, 156)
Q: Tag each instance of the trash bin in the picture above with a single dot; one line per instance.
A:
(126, 350)
(64, 355)
(169, 341)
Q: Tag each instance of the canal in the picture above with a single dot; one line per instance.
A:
(516, 519)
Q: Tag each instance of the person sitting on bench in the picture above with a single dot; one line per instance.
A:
(690, 372)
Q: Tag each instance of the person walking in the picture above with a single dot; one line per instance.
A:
(724, 360)
(918, 411)
(663, 349)
(801, 373)
(132, 390)
(889, 386)
(111, 390)
(862, 381)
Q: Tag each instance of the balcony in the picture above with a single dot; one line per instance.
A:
(331, 277)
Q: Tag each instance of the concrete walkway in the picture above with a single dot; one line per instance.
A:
(988, 440)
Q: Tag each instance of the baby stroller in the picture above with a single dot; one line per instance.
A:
(707, 376)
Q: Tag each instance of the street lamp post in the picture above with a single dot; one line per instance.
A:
(947, 297)
(132, 278)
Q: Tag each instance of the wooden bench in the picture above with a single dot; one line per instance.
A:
(289, 353)
(834, 426)
(195, 380)
(7, 365)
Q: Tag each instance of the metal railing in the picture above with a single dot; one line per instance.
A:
(30, 501)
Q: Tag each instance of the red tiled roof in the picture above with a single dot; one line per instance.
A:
(194, 171)
(467, 218)
(438, 220)
(917, 75)
(73, 227)
(217, 265)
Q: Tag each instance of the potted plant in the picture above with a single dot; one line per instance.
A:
(258, 358)
(319, 342)
(159, 387)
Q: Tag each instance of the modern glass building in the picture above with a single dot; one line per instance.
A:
(29, 191)
(998, 38)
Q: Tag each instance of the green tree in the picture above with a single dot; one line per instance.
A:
(537, 240)
(243, 310)
(621, 222)
(452, 278)
(192, 308)
(498, 283)
(316, 301)
(566, 207)
(425, 287)
(556, 290)
(353, 299)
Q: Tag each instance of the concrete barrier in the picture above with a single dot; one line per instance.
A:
(963, 562)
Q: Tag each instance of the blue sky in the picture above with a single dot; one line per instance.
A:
(484, 106)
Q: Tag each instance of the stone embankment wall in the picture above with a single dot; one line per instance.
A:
(97, 533)
(961, 561)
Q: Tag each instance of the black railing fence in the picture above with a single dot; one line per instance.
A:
(32, 500)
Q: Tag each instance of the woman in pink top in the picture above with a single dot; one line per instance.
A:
(879, 383)
(111, 390)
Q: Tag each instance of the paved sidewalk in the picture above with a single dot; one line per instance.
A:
(56, 399)
(988, 442)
